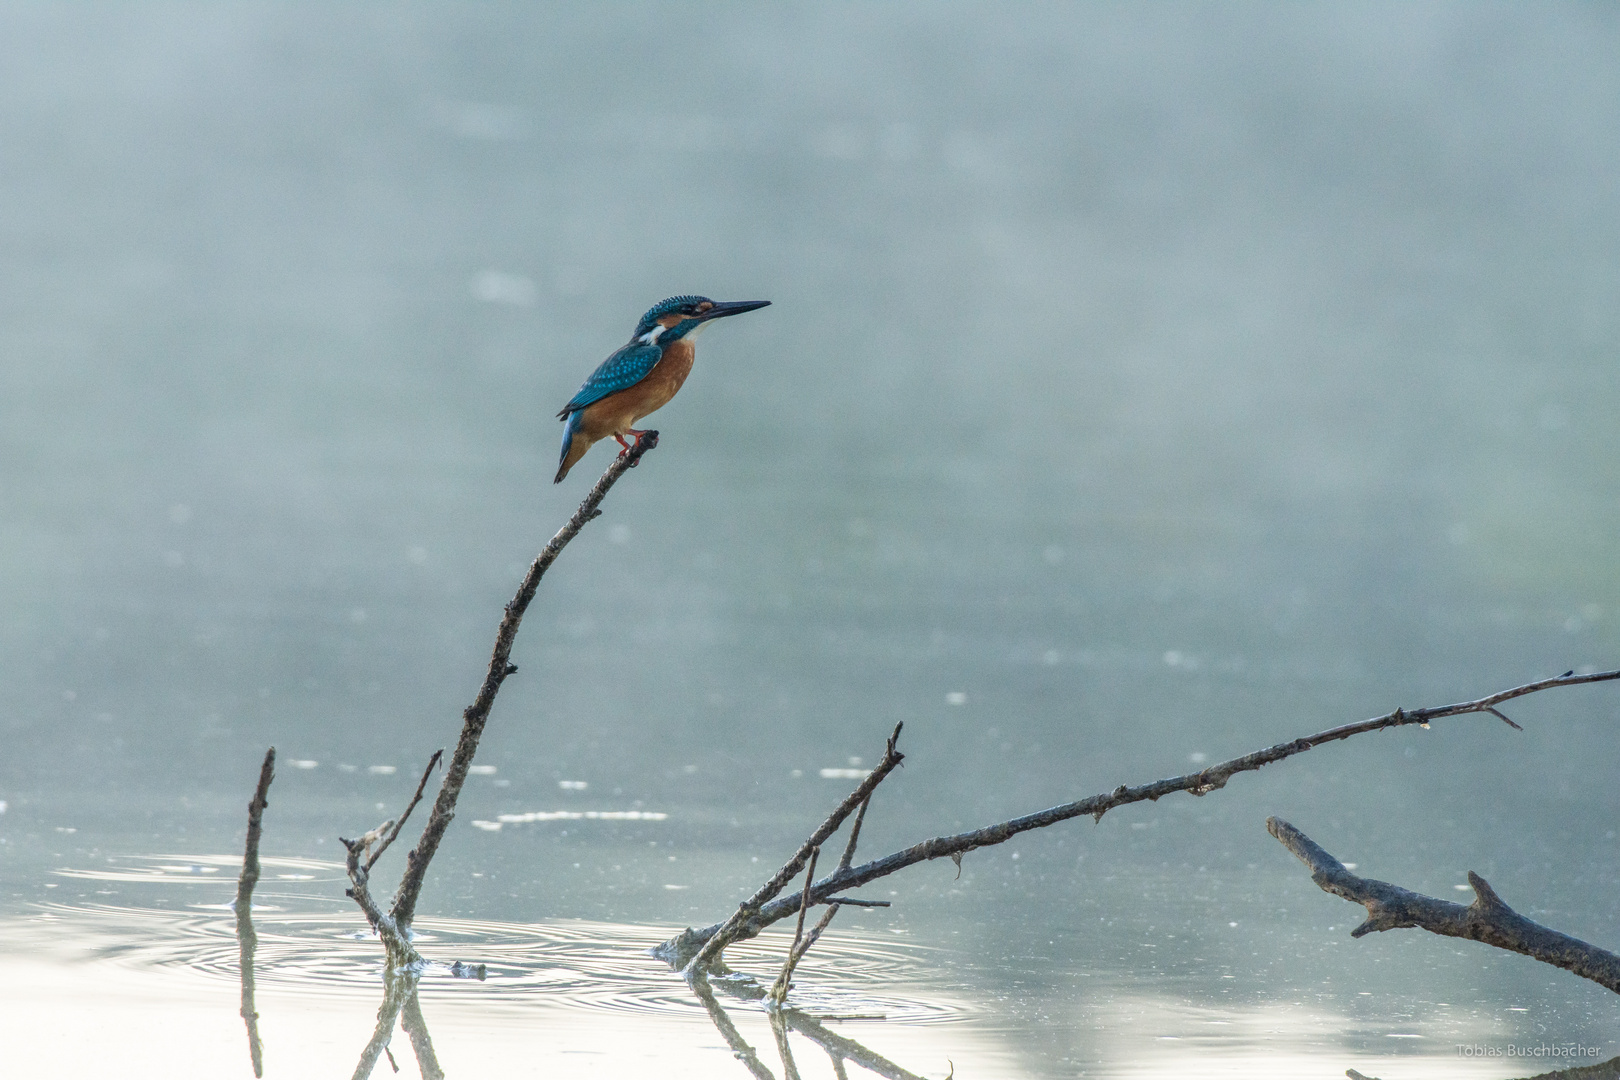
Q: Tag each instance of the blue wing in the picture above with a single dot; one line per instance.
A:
(624, 368)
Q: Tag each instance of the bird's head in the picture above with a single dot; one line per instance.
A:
(675, 318)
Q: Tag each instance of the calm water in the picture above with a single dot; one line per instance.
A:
(1143, 386)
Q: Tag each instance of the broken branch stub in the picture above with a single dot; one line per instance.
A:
(1488, 919)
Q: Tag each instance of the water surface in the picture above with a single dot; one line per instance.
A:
(1142, 386)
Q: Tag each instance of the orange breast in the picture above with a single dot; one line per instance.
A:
(619, 412)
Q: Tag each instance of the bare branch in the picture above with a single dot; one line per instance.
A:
(402, 955)
(393, 833)
(476, 715)
(817, 930)
(1200, 783)
(854, 834)
(250, 855)
(784, 980)
(1487, 919)
(247, 940)
(1503, 717)
(742, 923)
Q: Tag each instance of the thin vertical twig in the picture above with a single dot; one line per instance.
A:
(783, 981)
(247, 939)
(854, 835)
(393, 834)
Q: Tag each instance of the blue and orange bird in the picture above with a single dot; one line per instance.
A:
(641, 377)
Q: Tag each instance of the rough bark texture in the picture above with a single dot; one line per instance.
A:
(1487, 919)
(402, 955)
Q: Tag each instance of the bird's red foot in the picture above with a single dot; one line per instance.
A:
(627, 447)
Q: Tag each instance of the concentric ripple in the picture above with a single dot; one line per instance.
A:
(572, 964)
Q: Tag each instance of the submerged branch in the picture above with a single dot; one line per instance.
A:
(415, 1025)
(680, 950)
(1487, 919)
(402, 955)
(403, 908)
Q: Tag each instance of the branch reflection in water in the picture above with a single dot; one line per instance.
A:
(838, 1048)
(400, 1004)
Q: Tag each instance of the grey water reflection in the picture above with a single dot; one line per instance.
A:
(400, 1005)
(839, 1049)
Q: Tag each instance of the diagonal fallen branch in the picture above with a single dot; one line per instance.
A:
(1487, 919)
(696, 947)
(473, 719)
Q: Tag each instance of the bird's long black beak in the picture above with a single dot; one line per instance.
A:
(732, 307)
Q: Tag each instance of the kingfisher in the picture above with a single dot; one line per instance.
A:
(641, 377)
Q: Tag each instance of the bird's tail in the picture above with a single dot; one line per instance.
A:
(565, 460)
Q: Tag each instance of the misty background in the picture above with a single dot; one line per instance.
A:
(1143, 385)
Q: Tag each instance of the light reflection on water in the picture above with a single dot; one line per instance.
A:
(562, 965)
(557, 991)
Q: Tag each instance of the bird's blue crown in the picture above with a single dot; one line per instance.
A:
(673, 305)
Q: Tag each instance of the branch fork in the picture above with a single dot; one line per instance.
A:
(1488, 919)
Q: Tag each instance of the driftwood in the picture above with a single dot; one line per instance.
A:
(1487, 919)
(695, 948)
(247, 940)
